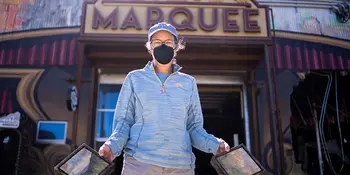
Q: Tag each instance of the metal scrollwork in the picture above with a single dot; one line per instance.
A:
(33, 161)
(39, 162)
(31, 158)
(39, 159)
(54, 154)
(342, 10)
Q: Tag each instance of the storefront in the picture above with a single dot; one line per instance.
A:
(226, 41)
(39, 56)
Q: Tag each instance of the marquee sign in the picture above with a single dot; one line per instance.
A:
(215, 18)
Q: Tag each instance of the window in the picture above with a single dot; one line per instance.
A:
(107, 100)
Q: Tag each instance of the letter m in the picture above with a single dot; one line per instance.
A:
(99, 20)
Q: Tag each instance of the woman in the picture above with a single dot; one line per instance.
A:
(158, 117)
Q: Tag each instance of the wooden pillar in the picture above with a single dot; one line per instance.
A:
(93, 105)
(275, 121)
(78, 85)
(256, 140)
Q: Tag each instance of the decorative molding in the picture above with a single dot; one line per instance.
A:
(314, 38)
(342, 10)
(38, 33)
(43, 161)
(26, 90)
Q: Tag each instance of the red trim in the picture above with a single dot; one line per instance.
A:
(32, 57)
(331, 60)
(299, 61)
(53, 53)
(323, 61)
(2, 56)
(63, 52)
(43, 51)
(302, 55)
(6, 102)
(72, 53)
(278, 56)
(314, 58)
(19, 54)
(307, 60)
(9, 61)
(288, 59)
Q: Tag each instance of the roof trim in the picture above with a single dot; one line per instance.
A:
(38, 33)
(313, 38)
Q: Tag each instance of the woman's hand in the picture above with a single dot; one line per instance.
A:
(105, 151)
(224, 147)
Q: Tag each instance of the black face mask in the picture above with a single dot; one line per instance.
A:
(163, 54)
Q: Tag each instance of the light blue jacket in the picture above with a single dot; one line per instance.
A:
(159, 123)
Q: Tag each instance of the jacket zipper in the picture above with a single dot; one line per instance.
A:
(163, 84)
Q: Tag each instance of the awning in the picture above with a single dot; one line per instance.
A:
(59, 50)
(302, 55)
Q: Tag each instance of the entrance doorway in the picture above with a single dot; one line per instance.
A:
(222, 112)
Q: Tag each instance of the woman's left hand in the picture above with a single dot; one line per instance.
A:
(224, 147)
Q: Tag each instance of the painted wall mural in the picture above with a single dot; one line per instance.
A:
(33, 81)
(8, 102)
(310, 21)
(21, 15)
(40, 94)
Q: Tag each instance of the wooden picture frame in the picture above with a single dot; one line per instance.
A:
(222, 168)
(109, 168)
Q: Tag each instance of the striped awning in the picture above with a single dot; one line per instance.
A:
(60, 50)
(302, 55)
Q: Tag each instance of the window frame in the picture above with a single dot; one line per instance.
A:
(98, 123)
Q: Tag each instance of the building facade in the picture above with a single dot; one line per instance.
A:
(48, 46)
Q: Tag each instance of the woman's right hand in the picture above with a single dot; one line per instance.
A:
(105, 151)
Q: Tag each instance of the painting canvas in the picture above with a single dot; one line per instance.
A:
(84, 161)
(238, 161)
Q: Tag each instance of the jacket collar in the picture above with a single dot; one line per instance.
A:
(149, 67)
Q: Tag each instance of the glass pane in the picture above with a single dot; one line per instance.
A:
(108, 96)
(104, 124)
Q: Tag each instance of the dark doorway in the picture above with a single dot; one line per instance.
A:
(222, 111)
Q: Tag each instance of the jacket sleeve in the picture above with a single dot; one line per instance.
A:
(200, 139)
(123, 118)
